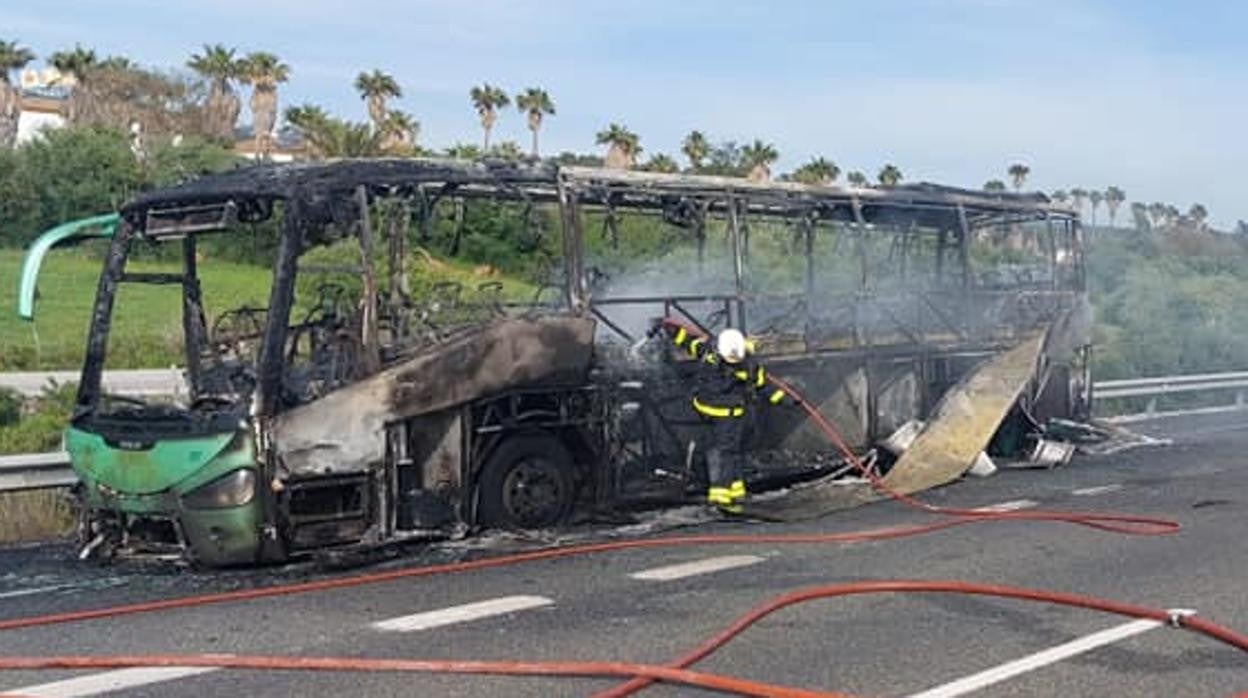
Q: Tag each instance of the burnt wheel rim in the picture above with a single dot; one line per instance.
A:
(532, 492)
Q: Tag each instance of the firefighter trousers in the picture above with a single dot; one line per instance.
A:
(725, 466)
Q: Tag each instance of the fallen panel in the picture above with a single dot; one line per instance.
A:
(965, 420)
(958, 431)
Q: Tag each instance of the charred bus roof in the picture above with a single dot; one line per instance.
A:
(248, 193)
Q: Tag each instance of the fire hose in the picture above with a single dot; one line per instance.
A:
(1117, 523)
(642, 675)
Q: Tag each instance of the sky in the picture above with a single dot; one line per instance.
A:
(1145, 95)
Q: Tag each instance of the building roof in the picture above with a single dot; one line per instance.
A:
(43, 103)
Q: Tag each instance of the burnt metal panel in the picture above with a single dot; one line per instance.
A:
(344, 430)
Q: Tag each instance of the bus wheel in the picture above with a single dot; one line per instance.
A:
(527, 483)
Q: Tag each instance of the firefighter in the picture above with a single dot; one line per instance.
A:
(725, 389)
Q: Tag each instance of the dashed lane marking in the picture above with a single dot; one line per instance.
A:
(462, 614)
(690, 569)
(1091, 491)
(1009, 670)
(107, 682)
(32, 590)
(1013, 505)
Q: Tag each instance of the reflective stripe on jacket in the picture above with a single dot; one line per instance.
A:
(717, 412)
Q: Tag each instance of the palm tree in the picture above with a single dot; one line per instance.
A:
(312, 122)
(818, 171)
(856, 179)
(464, 151)
(75, 67)
(890, 175)
(1199, 214)
(623, 146)
(994, 185)
(1113, 199)
(759, 156)
(487, 100)
(350, 140)
(305, 115)
(1139, 212)
(12, 57)
(1095, 197)
(328, 137)
(119, 63)
(1157, 212)
(399, 131)
(1018, 175)
(660, 162)
(696, 148)
(507, 150)
(264, 72)
(536, 104)
(1060, 196)
(375, 88)
(218, 65)
(75, 63)
(1077, 196)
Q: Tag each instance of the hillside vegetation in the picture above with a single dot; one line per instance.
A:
(1169, 292)
(1168, 303)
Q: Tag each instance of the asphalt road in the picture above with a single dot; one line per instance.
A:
(632, 606)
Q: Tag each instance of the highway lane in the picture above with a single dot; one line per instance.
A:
(652, 605)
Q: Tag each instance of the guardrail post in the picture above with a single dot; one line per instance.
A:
(1239, 399)
(1152, 407)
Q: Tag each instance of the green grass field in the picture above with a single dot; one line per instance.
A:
(147, 330)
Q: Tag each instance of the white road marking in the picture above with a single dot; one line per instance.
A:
(689, 569)
(1090, 491)
(95, 684)
(32, 590)
(1013, 505)
(1052, 655)
(462, 614)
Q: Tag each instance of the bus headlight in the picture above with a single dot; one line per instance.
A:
(231, 490)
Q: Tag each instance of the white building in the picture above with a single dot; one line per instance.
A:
(44, 96)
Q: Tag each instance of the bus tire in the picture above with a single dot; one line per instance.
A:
(527, 482)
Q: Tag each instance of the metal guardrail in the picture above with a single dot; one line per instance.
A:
(1153, 388)
(148, 382)
(30, 471)
(36, 471)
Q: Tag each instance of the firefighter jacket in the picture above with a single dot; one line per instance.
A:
(724, 390)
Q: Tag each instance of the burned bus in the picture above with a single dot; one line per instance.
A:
(371, 410)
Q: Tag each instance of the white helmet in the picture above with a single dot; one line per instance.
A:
(731, 345)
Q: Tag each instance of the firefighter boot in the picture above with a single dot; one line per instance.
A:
(721, 498)
(717, 495)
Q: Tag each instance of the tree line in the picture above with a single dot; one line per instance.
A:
(1157, 215)
(113, 91)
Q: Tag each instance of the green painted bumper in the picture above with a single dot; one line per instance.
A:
(153, 480)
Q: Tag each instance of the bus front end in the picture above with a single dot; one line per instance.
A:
(181, 489)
